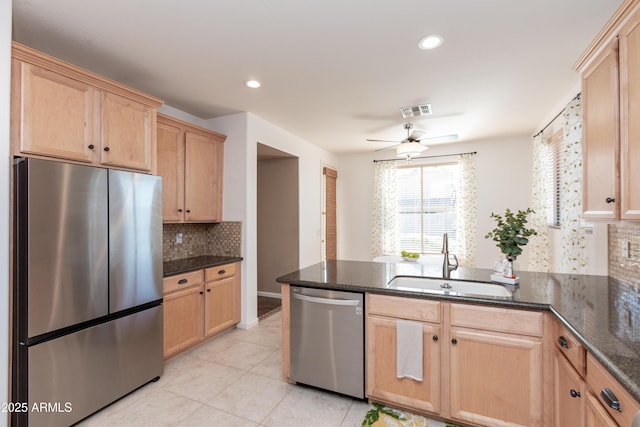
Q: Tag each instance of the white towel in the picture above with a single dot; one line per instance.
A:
(409, 349)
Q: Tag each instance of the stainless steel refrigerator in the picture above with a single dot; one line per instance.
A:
(87, 292)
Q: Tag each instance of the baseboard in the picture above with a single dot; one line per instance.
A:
(248, 325)
(269, 294)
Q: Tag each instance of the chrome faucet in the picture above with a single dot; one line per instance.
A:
(447, 266)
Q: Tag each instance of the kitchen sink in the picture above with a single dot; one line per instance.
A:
(450, 287)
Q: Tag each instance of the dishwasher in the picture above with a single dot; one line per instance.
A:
(327, 339)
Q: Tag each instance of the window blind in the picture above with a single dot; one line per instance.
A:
(553, 169)
(427, 206)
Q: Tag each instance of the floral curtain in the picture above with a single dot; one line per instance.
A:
(384, 231)
(573, 256)
(466, 211)
(539, 248)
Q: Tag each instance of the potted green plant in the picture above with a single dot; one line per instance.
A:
(511, 234)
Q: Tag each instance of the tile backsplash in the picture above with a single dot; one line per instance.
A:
(223, 238)
(625, 238)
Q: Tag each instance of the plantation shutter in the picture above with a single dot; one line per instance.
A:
(330, 236)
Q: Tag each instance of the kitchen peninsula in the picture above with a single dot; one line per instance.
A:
(596, 314)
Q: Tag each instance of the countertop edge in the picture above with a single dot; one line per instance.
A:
(213, 261)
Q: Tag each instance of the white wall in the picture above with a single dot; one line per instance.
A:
(503, 169)
(244, 131)
(5, 170)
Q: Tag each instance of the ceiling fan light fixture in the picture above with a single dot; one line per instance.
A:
(410, 149)
(431, 41)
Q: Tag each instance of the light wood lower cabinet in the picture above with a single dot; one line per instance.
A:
(482, 365)
(383, 384)
(198, 305)
(496, 366)
(568, 393)
(595, 415)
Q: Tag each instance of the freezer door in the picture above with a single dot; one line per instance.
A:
(61, 238)
(135, 239)
(82, 372)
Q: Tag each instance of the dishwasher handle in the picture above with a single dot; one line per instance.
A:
(328, 301)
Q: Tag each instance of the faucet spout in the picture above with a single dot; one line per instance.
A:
(447, 265)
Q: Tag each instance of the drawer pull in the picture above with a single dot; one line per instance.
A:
(574, 393)
(563, 342)
(182, 281)
(221, 271)
(610, 399)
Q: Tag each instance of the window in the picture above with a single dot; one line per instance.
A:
(552, 168)
(426, 196)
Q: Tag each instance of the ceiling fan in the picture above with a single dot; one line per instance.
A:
(413, 144)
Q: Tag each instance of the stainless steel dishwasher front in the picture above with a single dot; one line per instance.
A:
(327, 340)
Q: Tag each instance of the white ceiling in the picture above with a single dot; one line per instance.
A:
(334, 72)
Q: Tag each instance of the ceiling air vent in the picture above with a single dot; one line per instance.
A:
(418, 110)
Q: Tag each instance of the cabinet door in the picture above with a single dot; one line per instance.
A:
(56, 114)
(382, 382)
(127, 132)
(219, 305)
(201, 180)
(171, 169)
(600, 137)
(496, 379)
(596, 415)
(183, 314)
(630, 124)
(568, 393)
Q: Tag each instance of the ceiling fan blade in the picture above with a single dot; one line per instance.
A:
(440, 138)
(383, 140)
(386, 148)
(416, 135)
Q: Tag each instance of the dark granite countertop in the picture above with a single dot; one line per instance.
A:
(184, 265)
(602, 312)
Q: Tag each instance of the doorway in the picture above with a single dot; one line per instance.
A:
(278, 224)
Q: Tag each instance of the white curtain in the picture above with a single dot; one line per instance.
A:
(539, 248)
(384, 231)
(466, 211)
(573, 256)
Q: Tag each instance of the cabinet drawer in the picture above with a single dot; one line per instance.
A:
(599, 379)
(404, 308)
(497, 319)
(568, 345)
(219, 272)
(181, 281)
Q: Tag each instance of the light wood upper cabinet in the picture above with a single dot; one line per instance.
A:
(190, 160)
(630, 123)
(127, 132)
(610, 70)
(66, 131)
(600, 136)
(171, 168)
(61, 111)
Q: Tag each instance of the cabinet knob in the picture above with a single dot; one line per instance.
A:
(563, 342)
(188, 210)
(209, 290)
(91, 146)
(435, 338)
(454, 341)
(179, 210)
(610, 200)
(106, 148)
(574, 393)
(201, 293)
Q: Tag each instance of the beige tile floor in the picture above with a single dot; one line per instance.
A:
(231, 381)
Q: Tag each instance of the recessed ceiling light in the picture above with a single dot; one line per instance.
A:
(431, 41)
(253, 84)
